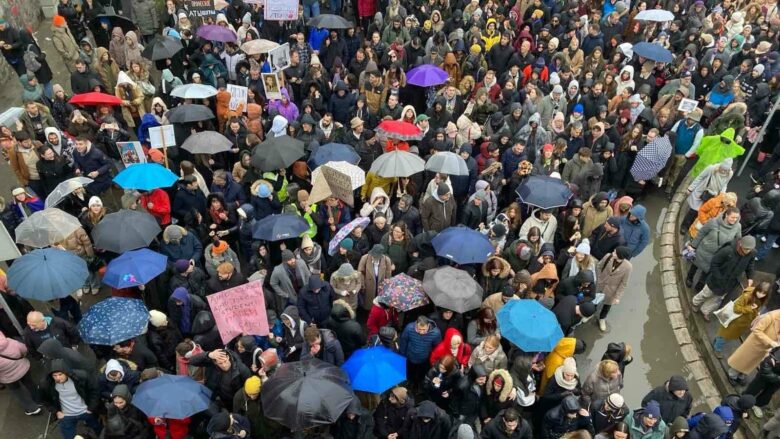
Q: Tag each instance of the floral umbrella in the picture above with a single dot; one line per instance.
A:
(403, 292)
(343, 232)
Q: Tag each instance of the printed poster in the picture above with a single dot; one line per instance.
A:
(131, 152)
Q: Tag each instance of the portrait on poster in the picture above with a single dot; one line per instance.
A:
(271, 84)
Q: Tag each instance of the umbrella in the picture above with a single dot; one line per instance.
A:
(95, 98)
(426, 75)
(213, 32)
(330, 21)
(397, 164)
(134, 268)
(145, 177)
(651, 159)
(66, 188)
(447, 163)
(113, 321)
(163, 47)
(189, 113)
(10, 116)
(194, 91)
(46, 227)
(654, 52)
(277, 153)
(452, 289)
(544, 192)
(125, 230)
(172, 397)
(397, 129)
(116, 20)
(375, 369)
(279, 227)
(207, 142)
(47, 274)
(462, 245)
(336, 179)
(343, 232)
(305, 394)
(256, 47)
(403, 292)
(654, 15)
(333, 152)
(529, 325)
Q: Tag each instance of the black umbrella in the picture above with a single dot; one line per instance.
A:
(125, 23)
(163, 47)
(305, 394)
(125, 230)
(189, 113)
(277, 153)
(330, 21)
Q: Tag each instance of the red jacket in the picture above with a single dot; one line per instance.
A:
(378, 317)
(366, 8)
(174, 428)
(161, 205)
(444, 348)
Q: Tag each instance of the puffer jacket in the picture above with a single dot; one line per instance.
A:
(144, 13)
(13, 360)
(418, 347)
(636, 234)
(349, 332)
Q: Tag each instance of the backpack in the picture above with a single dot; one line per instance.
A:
(31, 59)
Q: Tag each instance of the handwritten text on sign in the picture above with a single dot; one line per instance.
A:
(202, 8)
(240, 310)
(281, 10)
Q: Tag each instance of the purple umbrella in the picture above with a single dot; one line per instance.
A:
(426, 75)
(213, 32)
(343, 232)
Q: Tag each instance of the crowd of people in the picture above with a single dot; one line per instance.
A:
(533, 88)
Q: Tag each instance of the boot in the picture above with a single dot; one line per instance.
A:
(603, 325)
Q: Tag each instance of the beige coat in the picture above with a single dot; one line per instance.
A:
(129, 106)
(79, 244)
(372, 283)
(65, 44)
(612, 282)
(763, 336)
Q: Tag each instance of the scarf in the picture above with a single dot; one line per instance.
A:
(561, 381)
(311, 260)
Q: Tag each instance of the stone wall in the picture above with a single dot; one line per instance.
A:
(19, 13)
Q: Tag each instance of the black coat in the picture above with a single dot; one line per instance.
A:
(215, 284)
(315, 307)
(566, 314)
(671, 406)
(602, 243)
(57, 328)
(86, 387)
(348, 331)
(437, 428)
(726, 267)
(162, 342)
(224, 384)
(389, 418)
(53, 172)
(495, 429)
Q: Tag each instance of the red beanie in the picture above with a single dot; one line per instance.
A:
(59, 21)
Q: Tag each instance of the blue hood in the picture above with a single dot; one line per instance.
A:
(638, 211)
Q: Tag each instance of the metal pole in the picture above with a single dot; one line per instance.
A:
(759, 137)
(11, 315)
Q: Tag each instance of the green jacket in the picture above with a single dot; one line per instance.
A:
(634, 422)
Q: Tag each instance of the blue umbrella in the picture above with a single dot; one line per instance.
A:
(113, 321)
(529, 325)
(145, 176)
(426, 75)
(462, 245)
(133, 268)
(654, 52)
(47, 274)
(279, 227)
(375, 369)
(333, 152)
(544, 192)
(172, 397)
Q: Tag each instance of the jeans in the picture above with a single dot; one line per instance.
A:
(718, 343)
(311, 10)
(48, 90)
(706, 300)
(764, 247)
(69, 307)
(23, 391)
(68, 424)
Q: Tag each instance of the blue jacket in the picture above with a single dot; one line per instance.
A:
(232, 192)
(510, 161)
(94, 160)
(188, 248)
(464, 184)
(637, 235)
(265, 207)
(416, 347)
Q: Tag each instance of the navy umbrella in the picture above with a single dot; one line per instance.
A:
(333, 152)
(113, 321)
(172, 397)
(462, 245)
(47, 274)
(654, 52)
(279, 227)
(544, 192)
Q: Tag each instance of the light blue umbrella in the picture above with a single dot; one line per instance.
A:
(113, 321)
(529, 325)
(145, 177)
(375, 369)
(47, 274)
(172, 397)
(135, 267)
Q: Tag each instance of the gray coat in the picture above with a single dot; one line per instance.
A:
(281, 282)
(713, 235)
(547, 109)
(144, 15)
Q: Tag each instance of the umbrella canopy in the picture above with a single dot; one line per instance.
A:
(544, 192)
(330, 21)
(66, 188)
(256, 47)
(403, 292)
(375, 370)
(46, 227)
(172, 397)
(462, 245)
(343, 232)
(125, 23)
(452, 289)
(397, 129)
(138, 229)
(163, 47)
(194, 91)
(213, 32)
(447, 163)
(277, 153)
(145, 177)
(651, 159)
(47, 274)
(397, 164)
(279, 227)
(189, 113)
(305, 394)
(659, 15)
(426, 75)
(134, 268)
(529, 325)
(336, 179)
(95, 98)
(113, 321)
(333, 152)
(207, 142)
(654, 52)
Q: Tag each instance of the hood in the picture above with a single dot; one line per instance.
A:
(615, 352)
(536, 117)
(203, 322)
(51, 348)
(447, 340)
(725, 413)
(157, 100)
(630, 70)
(132, 37)
(100, 51)
(122, 391)
(114, 366)
(279, 125)
(711, 426)
(87, 41)
(59, 365)
(341, 311)
(378, 192)
(506, 268)
(167, 232)
(118, 35)
(508, 384)
(341, 86)
(291, 312)
(122, 78)
(584, 276)
(427, 409)
(638, 211)
(248, 342)
(51, 130)
(408, 107)
(316, 282)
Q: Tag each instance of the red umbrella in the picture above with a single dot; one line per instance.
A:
(396, 129)
(95, 98)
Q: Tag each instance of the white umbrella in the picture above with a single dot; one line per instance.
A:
(66, 188)
(397, 164)
(447, 163)
(659, 15)
(627, 49)
(337, 179)
(46, 227)
(194, 91)
(256, 47)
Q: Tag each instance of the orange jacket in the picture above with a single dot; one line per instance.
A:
(709, 210)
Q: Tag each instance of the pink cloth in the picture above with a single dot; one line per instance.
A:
(12, 368)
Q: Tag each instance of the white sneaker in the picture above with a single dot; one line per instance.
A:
(34, 412)
(775, 245)
(603, 325)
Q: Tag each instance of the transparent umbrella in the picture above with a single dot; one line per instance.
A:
(46, 227)
(66, 188)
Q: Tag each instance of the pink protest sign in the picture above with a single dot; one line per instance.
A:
(240, 310)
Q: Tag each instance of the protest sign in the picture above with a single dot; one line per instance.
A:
(240, 310)
(131, 153)
(281, 10)
(162, 136)
(687, 105)
(201, 8)
(238, 95)
(279, 57)
(271, 84)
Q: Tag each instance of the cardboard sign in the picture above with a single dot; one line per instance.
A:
(687, 105)
(240, 310)
(279, 58)
(271, 84)
(162, 136)
(281, 10)
(201, 8)
(238, 95)
(131, 153)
